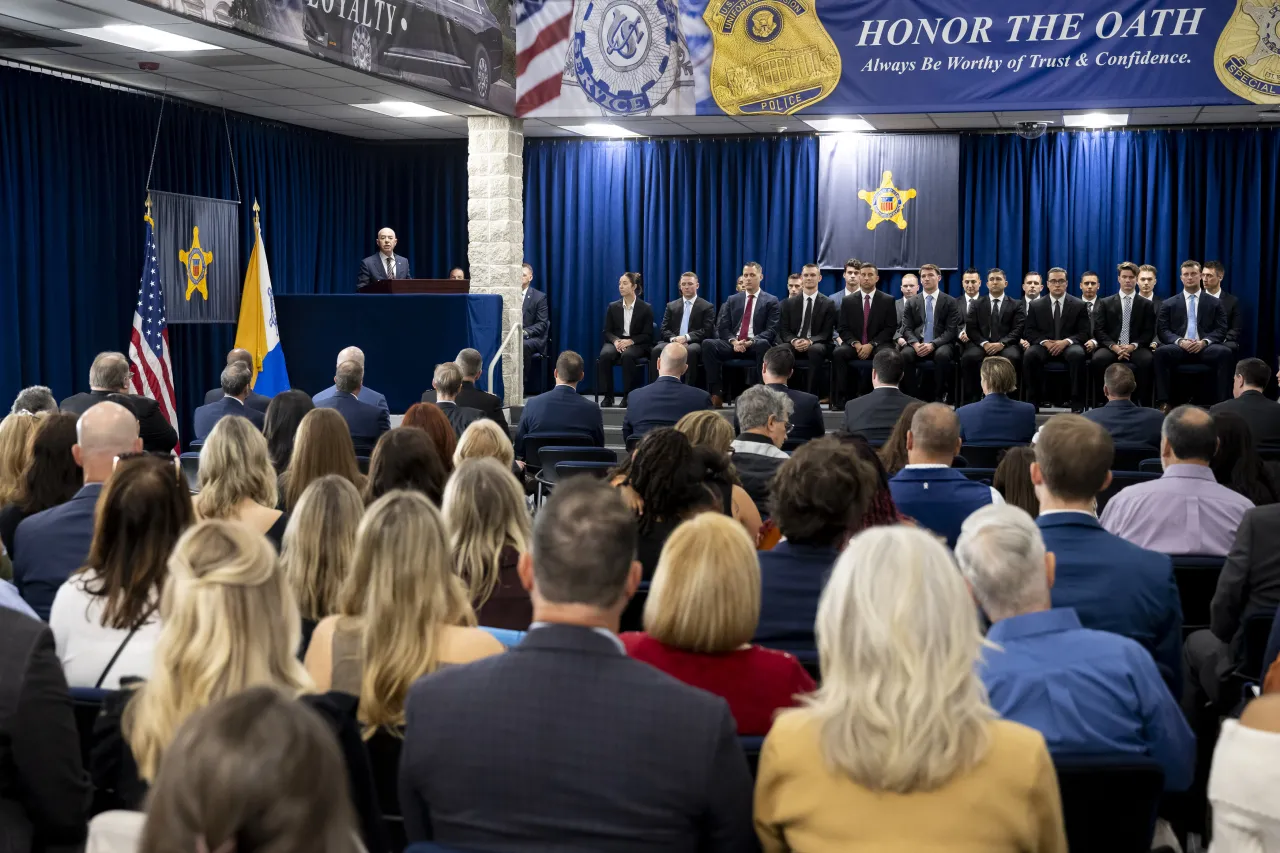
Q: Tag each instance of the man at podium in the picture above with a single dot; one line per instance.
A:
(383, 265)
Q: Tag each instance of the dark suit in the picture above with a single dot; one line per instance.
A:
(641, 335)
(882, 325)
(1074, 326)
(948, 320)
(822, 324)
(489, 405)
(981, 327)
(367, 395)
(702, 325)
(806, 414)
(1107, 326)
(1211, 326)
(660, 404)
(791, 581)
(50, 545)
(606, 755)
(873, 416)
(762, 334)
(207, 416)
(562, 409)
(374, 268)
(257, 402)
(460, 417)
(367, 423)
(536, 320)
(1230, 307)
(44, 790)
(1262, 415)
(996, 419)
(153, 428)
(1129, 423)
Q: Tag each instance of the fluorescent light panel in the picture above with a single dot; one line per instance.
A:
(608, 131)
(839, 125)
(143, 38)
(1096, 120)
(401, 109)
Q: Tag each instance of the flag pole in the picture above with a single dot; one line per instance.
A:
(148, 218)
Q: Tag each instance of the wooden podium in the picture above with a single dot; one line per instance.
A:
(417, 285)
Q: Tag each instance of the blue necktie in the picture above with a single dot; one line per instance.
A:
(684, 319)
(1193, 334)
(928, 319)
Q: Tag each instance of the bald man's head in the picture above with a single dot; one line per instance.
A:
(104, 432)
(674, 360)
(934, 437)
(352, 354)
(239, 354)
(1188, 436)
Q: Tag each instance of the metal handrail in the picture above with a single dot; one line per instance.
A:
(515, 327)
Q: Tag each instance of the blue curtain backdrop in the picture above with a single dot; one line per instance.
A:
(73, 166)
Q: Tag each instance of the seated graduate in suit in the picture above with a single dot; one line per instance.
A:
(535, 318)
(665, 400)
(808, 322)
(366, 422)
(997, 418)
(108, 376)
(1057, 329)
(806, 414)
(866, 324)
(628, 336)
(1192, 329)
(236, 377)
(1124, 326)
(448, 384)
(1128, 423)
(1262, 415)
(1211, 276)
(255, 401)
(561, 409)
(473, 775)
(689, 320)
(931, 324)
(384, 264)
(873, 416)
(994, 326)
(746, 328)
(471, 363)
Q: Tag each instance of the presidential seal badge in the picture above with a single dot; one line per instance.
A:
(770, 57)
(1247, 57)
(627, 55)
(886, 203)
(197, 261)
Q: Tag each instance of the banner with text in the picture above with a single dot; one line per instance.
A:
(198, 254)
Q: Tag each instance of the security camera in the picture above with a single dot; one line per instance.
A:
(1031, 129)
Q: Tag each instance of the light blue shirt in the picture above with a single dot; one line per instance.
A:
(928, 318)
(684, 318)
(10, 598)
(1193, 332)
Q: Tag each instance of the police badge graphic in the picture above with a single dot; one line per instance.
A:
(1247, 57)
(771, 57)
(628, 56)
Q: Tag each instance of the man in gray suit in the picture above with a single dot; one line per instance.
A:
(564, 743)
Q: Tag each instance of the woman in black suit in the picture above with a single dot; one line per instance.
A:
(628, 337)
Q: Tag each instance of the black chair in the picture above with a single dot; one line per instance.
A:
(751, 746)
(1195, 374)
(1269, 454)
(550, 457)
(1151, 466)
(984, 455)
(982, 475)
(195, 445)
(86, 705)
(534, 443)
(959, 462)
(384, 762)
(1120, 480)
(633, 617)
(573, 468)
(749, 368)
(792, 444)
(538, 366)
(1131, 457)
(362, 462)
(642, 366)
(1257, 630)
(1197, 579)
(190, 463)
(633, 441)
(1109, 802)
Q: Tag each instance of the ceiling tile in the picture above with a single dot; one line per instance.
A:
(230, 100)
(279, 113)
(963, 120)
(67, 62)
(294, 78)
(901, 122)
(347, 76)
(1010, 119)
(208, 34)
(222, 80)
(19, 23)
(57, 15)
(347, 94)
(291, 58)
(290, 97)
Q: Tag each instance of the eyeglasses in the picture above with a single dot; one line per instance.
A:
(143, 454)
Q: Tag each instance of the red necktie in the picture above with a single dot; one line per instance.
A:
(866, 316)
(744, 331)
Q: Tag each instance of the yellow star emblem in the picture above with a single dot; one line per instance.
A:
(886, 202)
(197, 261)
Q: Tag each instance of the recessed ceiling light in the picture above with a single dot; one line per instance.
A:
(608, 131)
(839, 125)
(401, 109)
(143, 38)
(1096, 120)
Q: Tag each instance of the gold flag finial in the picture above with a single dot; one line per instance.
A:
(147, 217)
(255, 212)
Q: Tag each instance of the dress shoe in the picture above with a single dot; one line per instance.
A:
(624, 401)
(606, 403)
(716, 401)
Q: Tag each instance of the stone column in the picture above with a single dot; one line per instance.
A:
(495, 228)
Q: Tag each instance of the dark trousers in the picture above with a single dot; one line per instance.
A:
(841, 360)
(1217, 356)
(716, 352)
(971, 365)
(815, 356)
(1033, 366)
(1206, 659)
(1139, 362)
(944, 370)
(690, 376)
(609, 356)
(530, 381)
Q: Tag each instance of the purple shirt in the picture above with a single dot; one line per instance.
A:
(1186, 511)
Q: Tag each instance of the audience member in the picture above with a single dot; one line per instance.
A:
(474, 774)
(1072, 465)
(364, 394)
(284, 416)
(1129, 424)
(50, 477)
(323, 446)
(237, 481)
(401, 613)
(258, 402)
(484, 440)
(1237, 464)
(447, 382)
(701, 613)
(874, 415)
(893, 453)
(11, 599)
(882, 510)
(104, 618)
(764, 419)
(562, 409)
(489, 528)
(236, 378)
(109, 375)
(471, 364)
(997, 418)
(34, 400)
(432, 420)
(17, 432)
(44, 792)
(665, 400)
(1262, 415)
(405, 458)
(366, 421)
(1013, 480)
(777, 368)
(319, 546)
(820, 496)
(1185, 511)
(707, 429)
(929, 489)
(921, 761)
(1242, 781)
(50, 545)
(1088, 692)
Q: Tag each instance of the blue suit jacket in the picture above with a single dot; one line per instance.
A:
(1116, 586)
(996, 419)
(1171, 319)
(561, 409)
(764, 319)
(50, 545)
(792, 578)
(806, 416)
(939, 498)
(367, 423)
(535, 317)
(209, 414)
(661, 403)
(367, 395)
(373, 268)
(1128, 422)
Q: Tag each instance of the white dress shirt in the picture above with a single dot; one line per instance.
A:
(627, 311)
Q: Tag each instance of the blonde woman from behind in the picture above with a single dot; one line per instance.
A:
(484, 439)
(237, 481)
(899, 749)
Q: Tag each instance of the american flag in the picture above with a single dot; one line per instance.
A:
(149, 363)
(542, 45)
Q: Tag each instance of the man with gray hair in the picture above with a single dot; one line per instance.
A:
(1088, 692)
(367, 422)
(473, 775)
(367, 395)
(50, 545)
(34, 400)
(109, 379)
(257, 402)
(665, 400)
(471, 363)
(448, 383)
(764, 418)
(235, 393)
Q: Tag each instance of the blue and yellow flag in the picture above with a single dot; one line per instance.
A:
(257, 331)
